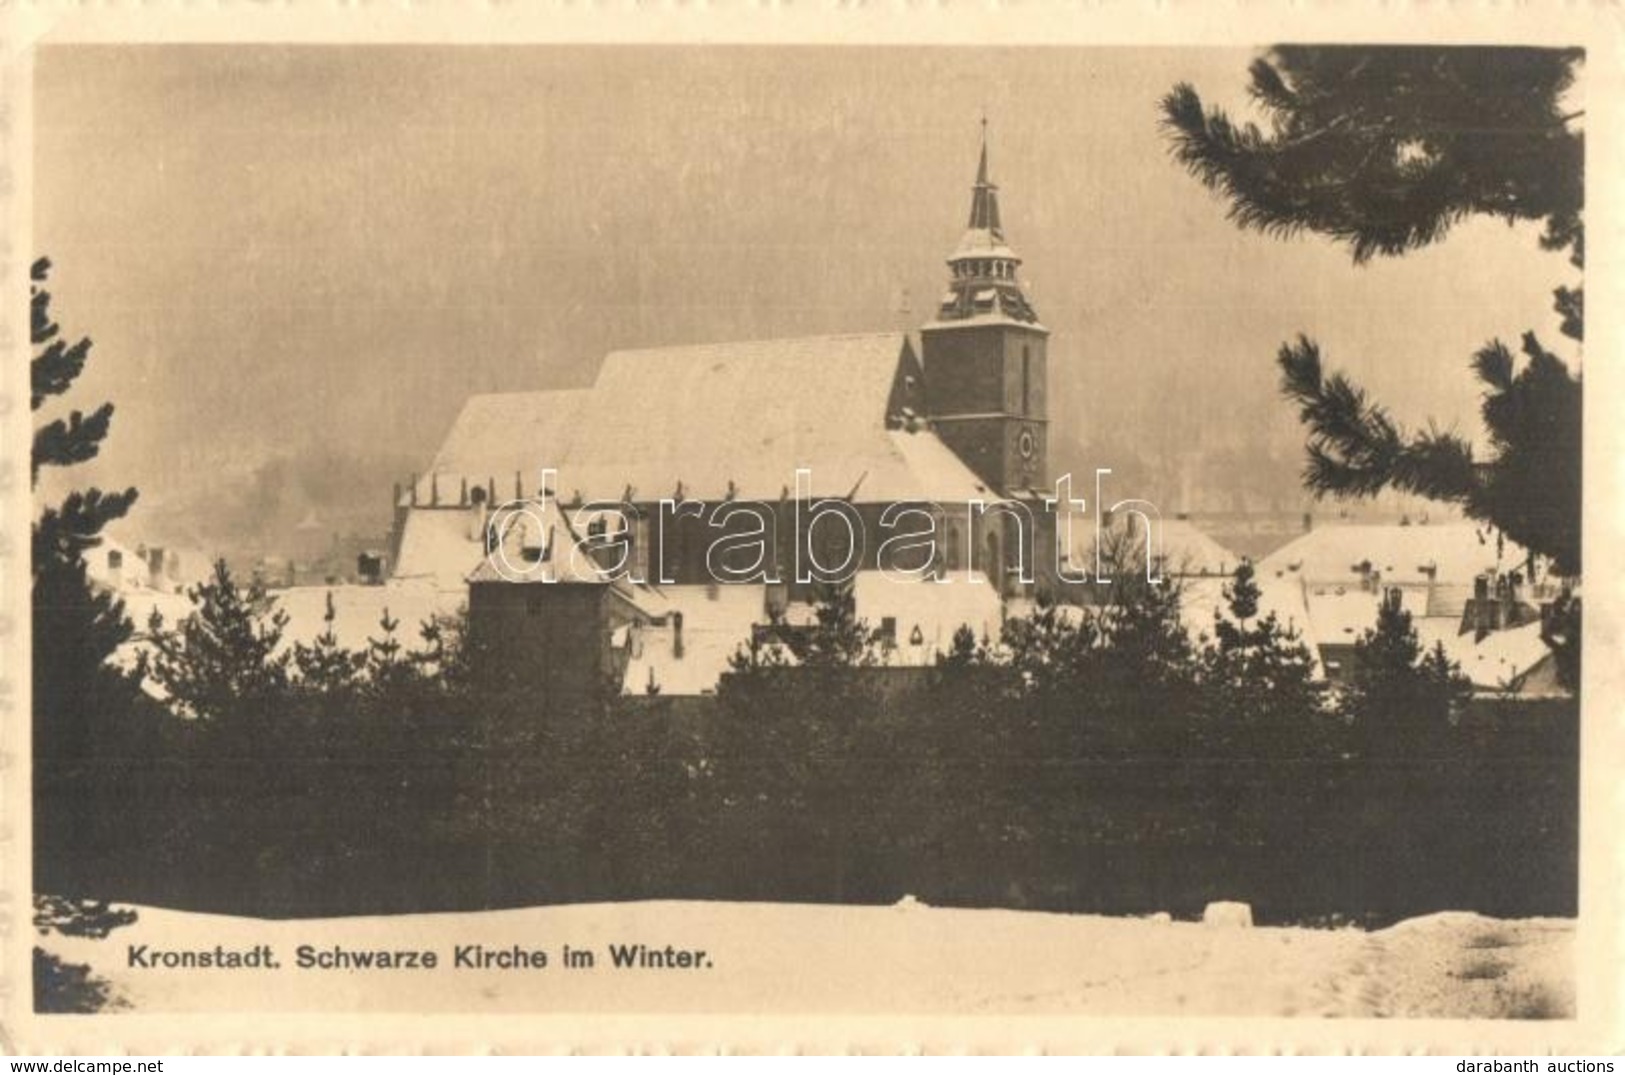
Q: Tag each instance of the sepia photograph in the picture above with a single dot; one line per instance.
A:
(831, 529)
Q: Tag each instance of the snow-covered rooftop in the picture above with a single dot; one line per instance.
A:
(1459, 552)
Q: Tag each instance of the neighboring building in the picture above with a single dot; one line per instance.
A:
(115, 565)
(1463, 584)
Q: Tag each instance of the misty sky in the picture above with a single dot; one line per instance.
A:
(312, 255)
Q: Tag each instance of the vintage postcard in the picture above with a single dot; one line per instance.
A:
(1015, 528)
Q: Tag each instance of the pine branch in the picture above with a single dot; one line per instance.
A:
(1569, 302)
(1493, 364)
(75, 439)
(1387, 149)
(42, 327)
(1355, 447)
(65, 533)
(54, 369)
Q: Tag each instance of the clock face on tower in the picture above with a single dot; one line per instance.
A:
(1027, 449)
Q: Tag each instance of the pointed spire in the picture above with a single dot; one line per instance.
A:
(984, 205)
(981, 169)
(984, 268)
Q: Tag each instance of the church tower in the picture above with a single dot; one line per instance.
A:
(984, 356)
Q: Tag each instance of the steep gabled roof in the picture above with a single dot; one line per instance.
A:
(750, 414)
(1502, 660)
(498, 434)
(1458, 552)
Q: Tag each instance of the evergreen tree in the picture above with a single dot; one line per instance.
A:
(224, 658)
(92, 725)
(839, 639)
(79, 697)
(1400, 698)
(1050, 650)
(798, 750)
(1258, 677)
(444, 657)
(324, 666)
(1384, 149)
(1142, 679)
(755, 656)
(72, 987)
(963, 651)
(388, 668)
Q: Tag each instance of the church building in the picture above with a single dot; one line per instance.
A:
(775, 436)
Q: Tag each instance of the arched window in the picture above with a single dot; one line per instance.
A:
(955, 560)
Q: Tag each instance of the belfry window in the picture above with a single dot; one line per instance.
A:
(1026, 380)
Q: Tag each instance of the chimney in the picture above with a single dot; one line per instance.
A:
(1308, 521)
(1483, 610)
(369, 567)
(396, 502)
(677, 635)
(462, 493)
(775, 600)
(1507, 605)
(518, 487)
(434, 490)
(414, 490)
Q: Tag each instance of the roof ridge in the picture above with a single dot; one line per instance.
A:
(893, 334)
(526, 392)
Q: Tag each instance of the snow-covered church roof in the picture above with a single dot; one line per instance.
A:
(715, 420)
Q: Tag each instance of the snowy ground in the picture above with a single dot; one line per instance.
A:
(908, 959)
